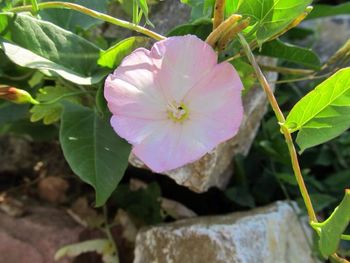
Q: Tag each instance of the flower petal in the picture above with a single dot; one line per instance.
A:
(135, 130)
(131, 89)
(215, 105)
(169, 148)
(184, 61)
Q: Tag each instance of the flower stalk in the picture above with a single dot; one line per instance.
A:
(281, 119)
(288, 138)
(92, 13)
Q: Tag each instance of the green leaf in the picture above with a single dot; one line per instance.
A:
(240, 195)
(200, 8)
(322, 201)
(93, 150)
(70, 19)
(103, 247)
(332, 229)
(51, 112)
(292, 53)
(322, 114)
(144, 8)
(246, 73)
(112, 57)
(200, 28)
(270, 16)
(286, 178)
(329, 10)
(144, 204)
(37, 44)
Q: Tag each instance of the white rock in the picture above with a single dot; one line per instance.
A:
(270, 234)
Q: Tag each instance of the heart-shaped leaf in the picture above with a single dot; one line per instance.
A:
(93, 150)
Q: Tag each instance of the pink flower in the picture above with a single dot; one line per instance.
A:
(174, 103)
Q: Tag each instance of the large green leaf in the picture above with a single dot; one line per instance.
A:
(323, 113)
(270, 16)
(292, 53)
(115, 54)
(329, 10)
(93, 150)
(70, 19)
(332, 229)
(37, 44)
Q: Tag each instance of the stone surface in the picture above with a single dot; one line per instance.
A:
(15, 154)
(266, 235)
(163, 15)
(331, 34)
(215, 168)
(36, 237)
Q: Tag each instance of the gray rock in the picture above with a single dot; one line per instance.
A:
(162, 16)
(169, 14)
(15, 154)
(37, 236)
(265, 235)
(331, 34)
(215, 168)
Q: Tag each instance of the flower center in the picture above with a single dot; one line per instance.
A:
(178, 112)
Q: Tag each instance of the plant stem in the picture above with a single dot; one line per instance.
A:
(63, 96)
(135, 15)
(108, 232)
(312, 77)
(35, 7)
(287, 136)
(284, 70)
(285, 131)
(92, 13)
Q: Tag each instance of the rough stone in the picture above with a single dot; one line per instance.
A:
(163, 22)
(37, 236)
(15, 154)
(215, 168)
(331, 34)
(265, 235)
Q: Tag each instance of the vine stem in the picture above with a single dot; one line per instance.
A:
(288, 137)
(109, 233)
(281, 119)
(92, 13)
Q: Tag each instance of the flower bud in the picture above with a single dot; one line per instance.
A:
(15, 95)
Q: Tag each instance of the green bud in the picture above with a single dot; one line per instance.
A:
(15, 95)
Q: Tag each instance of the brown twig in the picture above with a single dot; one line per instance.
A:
(219, 13)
